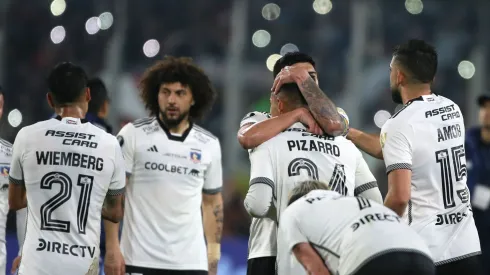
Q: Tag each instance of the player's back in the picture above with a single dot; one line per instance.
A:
(347, 231)
(439, 208)
(68, 166)
(299, 155)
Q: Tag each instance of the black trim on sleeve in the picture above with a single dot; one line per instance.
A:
(115, 192)
(266, 181)
(364, 187)
(16, 181)
(211, 191)
(398, 166)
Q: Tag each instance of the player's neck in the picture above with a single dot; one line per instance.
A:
(485, 135)
(71, 111)
(415, 91)
(179, 128)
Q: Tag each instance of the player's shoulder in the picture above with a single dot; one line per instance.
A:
(255, 116)
(204, 136)
(137, 125)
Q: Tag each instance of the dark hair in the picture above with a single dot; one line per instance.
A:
(304, 188)
(419, 59)
(183, 70)
(1, 90)
(290, 59)
(292, 94)
(98, 94)
(66, 83)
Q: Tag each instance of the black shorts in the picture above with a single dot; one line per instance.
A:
(466, 266)
(152, 271)
(399, 263)
(261, 266)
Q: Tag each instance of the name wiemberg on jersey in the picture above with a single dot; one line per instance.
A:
(447, 112)
(66, 249)
(74, 138)
(70, 159)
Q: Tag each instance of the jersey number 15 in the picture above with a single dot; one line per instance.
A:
(444, 157)
(64, 181)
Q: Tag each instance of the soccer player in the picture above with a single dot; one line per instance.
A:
(174, 169)
(423, 149)
(98, 107)
(67, 171)
(295, 155)
(5, 157)
(332, 234)
(256, 128)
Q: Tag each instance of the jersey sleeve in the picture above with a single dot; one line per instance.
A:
(213, 180)
(364, 180)
(254, 117)
(16, 174)
(396, 146)
(118, 180)
(261, 167)
(127, 140)
(290, 228)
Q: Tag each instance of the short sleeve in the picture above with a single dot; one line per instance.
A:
(213, 180)
(254, 117)
(396, 145)
(127, 140)
(364, 179)
(118, 180)
(261, 167)
(16, 174)
(290, 229)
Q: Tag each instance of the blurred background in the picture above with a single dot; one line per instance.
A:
(237, 43)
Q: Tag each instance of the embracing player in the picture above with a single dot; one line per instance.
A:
(332, 234)
(68, 172)
(423, 149)
(174, 171)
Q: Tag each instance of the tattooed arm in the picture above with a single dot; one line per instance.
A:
(212, 211)
(322, 108)
(113, 207)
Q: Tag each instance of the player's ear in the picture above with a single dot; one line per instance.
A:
(280, 106)
(88, 97)
(49, 98)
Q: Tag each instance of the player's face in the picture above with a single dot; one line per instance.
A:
(1, 105)
(485, 115)
(396, 95)
(175, 101)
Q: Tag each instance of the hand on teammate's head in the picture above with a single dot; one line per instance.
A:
(289, 74)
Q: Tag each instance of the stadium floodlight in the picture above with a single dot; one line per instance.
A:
(287, 48)
(92, 25)
(271, 11)
(261, 38)
(271, 61)
(57, 7)
(106, 19)
(58, 34)
(151, 48)
(14, 118)
(322, 6)
(466, 69)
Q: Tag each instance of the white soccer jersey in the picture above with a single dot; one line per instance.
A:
(346, 232)
(68, 167)
(296, 155)
(427, 136)
(5, 158)
(162, 226)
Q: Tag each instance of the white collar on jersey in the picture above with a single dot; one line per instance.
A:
(71, 120)
(180, 138)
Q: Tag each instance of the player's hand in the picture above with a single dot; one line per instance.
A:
(305, 117)
(114, 263)
(15, 264)
(288, 74)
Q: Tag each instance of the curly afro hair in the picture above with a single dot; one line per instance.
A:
(183, 70)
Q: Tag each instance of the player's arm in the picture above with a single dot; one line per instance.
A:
(323, 109)
(212, 208)
(365, 182)
(297, 242)
(259, 198)
(17, 191)
(368, 143)
(397, 153)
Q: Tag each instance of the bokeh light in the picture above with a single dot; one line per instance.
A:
(151, 48)
(57, 7)
(271, 11)
(271, 61)
(287, 48)
(466, 69)
(381, 117)
(106, 19)
(261, 38)
(14, 118)
(58, 34)
(92, 25)
(322, 6)
(414, 6)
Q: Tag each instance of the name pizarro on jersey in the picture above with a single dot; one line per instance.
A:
(447, 112)
(314, 145)
(74, 138)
